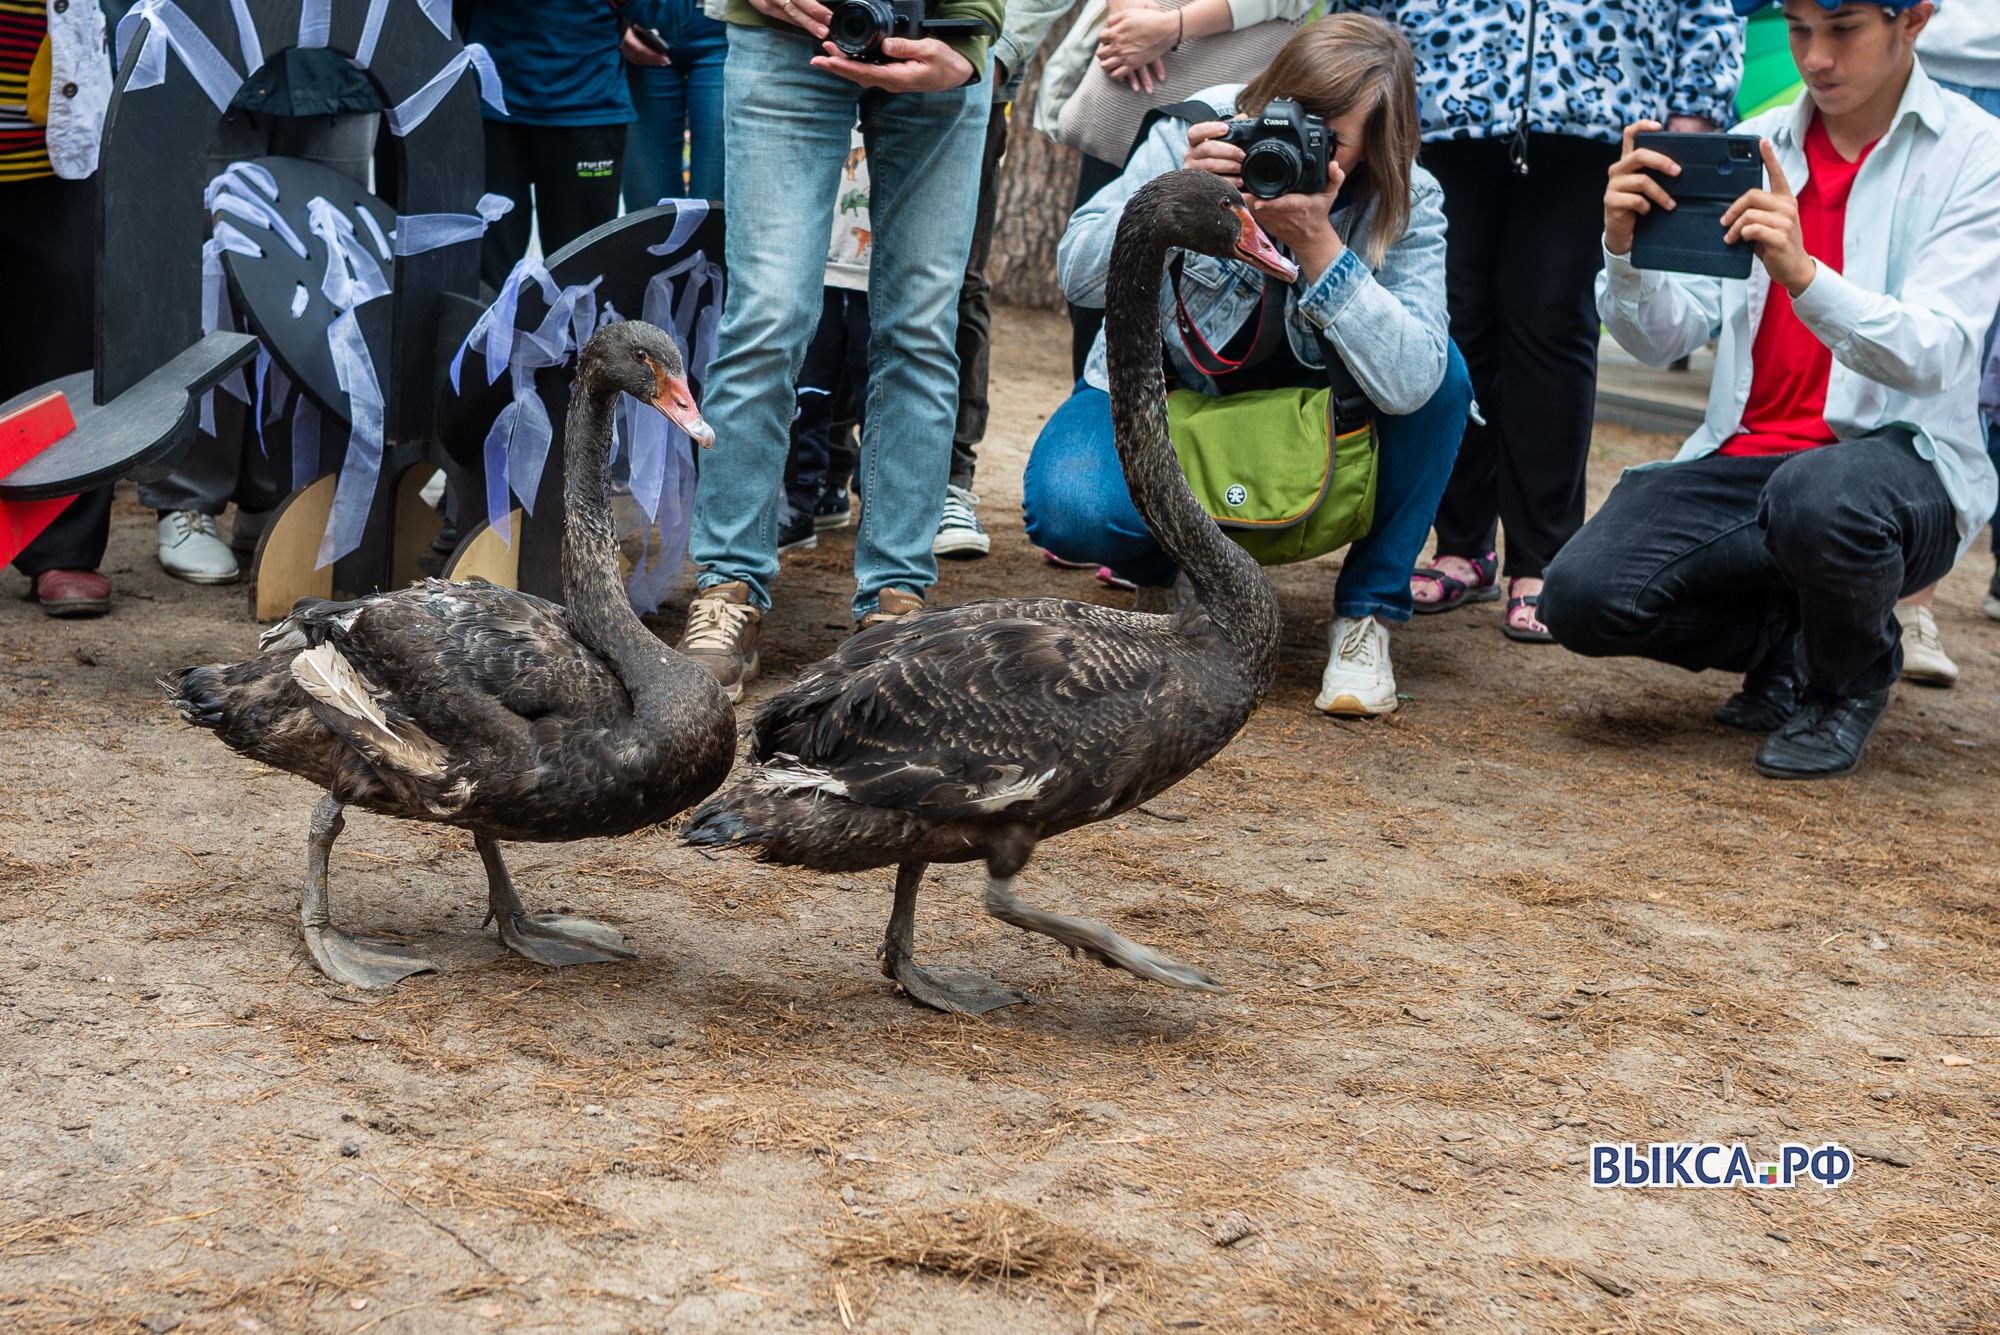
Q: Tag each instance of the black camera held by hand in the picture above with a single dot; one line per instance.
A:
(859, 27)
(1284, 150)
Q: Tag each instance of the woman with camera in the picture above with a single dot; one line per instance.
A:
(1367, 230)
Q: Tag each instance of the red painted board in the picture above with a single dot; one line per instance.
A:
(32, 428)
(25, 433)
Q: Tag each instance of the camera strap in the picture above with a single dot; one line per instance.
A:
(1351, 404)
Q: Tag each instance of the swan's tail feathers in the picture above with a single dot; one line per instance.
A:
(721, 823)
(346, 702)
(199, 694)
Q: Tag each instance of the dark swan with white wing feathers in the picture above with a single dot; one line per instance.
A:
(972, 733)
(472, 705)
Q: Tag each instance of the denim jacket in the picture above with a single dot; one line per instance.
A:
(1599, 64)
(1389, 325)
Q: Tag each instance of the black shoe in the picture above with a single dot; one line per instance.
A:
(1824, 736)
(1769, 695)
(795, 531)
(834, 510)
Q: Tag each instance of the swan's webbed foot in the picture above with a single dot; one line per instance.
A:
(945, 988)
(357, 959)
(948, 988)
(557, 939)
(554, 939)
(363, 959)
(1107, 947)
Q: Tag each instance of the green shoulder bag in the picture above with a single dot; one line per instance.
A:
(1288, 474)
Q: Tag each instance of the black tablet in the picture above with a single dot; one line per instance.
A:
(1715, 170)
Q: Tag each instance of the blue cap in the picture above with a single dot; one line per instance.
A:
(1893, 6)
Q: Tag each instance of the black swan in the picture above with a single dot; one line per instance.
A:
(472, 705)
(975, 732)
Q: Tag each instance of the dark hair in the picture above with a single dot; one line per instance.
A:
(1340, 63)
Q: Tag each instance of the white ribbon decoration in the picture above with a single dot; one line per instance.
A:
(418, 232)
(169, 28)
(247, 41)
(355, 491)
(352, 275)
(408, 114)
(315, 21)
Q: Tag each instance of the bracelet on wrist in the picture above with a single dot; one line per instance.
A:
(1181, 35)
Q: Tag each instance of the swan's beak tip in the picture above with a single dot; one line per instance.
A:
(1254, 247)
(676, 403)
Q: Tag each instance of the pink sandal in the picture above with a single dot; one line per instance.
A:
(1451, 590)
(1527, 629)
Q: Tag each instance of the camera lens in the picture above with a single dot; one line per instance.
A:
(1271, 168)
(858, 26)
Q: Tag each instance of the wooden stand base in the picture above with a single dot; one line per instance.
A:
(482, 555)
(284, 571)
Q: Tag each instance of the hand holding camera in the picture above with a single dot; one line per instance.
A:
(1283, 162)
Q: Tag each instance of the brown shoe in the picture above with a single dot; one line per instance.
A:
(73, 593)
(721, 634)
(890, 605)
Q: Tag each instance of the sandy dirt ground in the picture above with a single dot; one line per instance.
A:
(1548, 903)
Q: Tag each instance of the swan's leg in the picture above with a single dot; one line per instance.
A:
(1094, 938)
(360, 961)
(546, 938)
(961, 991)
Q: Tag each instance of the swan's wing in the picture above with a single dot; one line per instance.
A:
(442, 649)
(1024, 709)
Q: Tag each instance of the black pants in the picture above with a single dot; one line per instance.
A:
(975, 314)
(48, 232)
(574, 172)
(1092, 175)
(1521, 255)
(835, 372)
(1714, 562)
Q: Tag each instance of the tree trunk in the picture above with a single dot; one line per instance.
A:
(1037, 186)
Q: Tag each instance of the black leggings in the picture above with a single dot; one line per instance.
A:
(1521, 257)
(574, 172)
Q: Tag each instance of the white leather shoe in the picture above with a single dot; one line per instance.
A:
(1358, 681)
(191, 548)
(1924, 658)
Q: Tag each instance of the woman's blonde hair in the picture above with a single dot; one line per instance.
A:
(1338, 64)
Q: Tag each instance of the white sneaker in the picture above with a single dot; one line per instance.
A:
(1358, 681)
(1924, 658)
(958, 532)
(191, 548)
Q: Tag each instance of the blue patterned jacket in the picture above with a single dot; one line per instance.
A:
(1599, 64)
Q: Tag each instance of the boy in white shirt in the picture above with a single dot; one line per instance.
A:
(1841, 464)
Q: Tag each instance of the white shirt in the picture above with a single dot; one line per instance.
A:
(1906, 321)
(1961, 43)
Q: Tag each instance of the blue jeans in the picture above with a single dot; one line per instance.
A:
(1077, 506)
(794, 124)
(681, 101)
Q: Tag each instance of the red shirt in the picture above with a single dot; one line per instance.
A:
(1789, 366)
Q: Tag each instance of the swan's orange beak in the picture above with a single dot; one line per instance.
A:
(676, 403)
(1255, 249)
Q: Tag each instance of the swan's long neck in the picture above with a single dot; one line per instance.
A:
(1233, 590)
(599, 611)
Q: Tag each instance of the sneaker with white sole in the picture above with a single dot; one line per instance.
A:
(191, 548)
(959, 535)
(721, 634)
(890, 605)
(1924, 659)
(1358, 681)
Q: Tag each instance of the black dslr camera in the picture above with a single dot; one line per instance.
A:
(859, 27)
(1284, 150)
